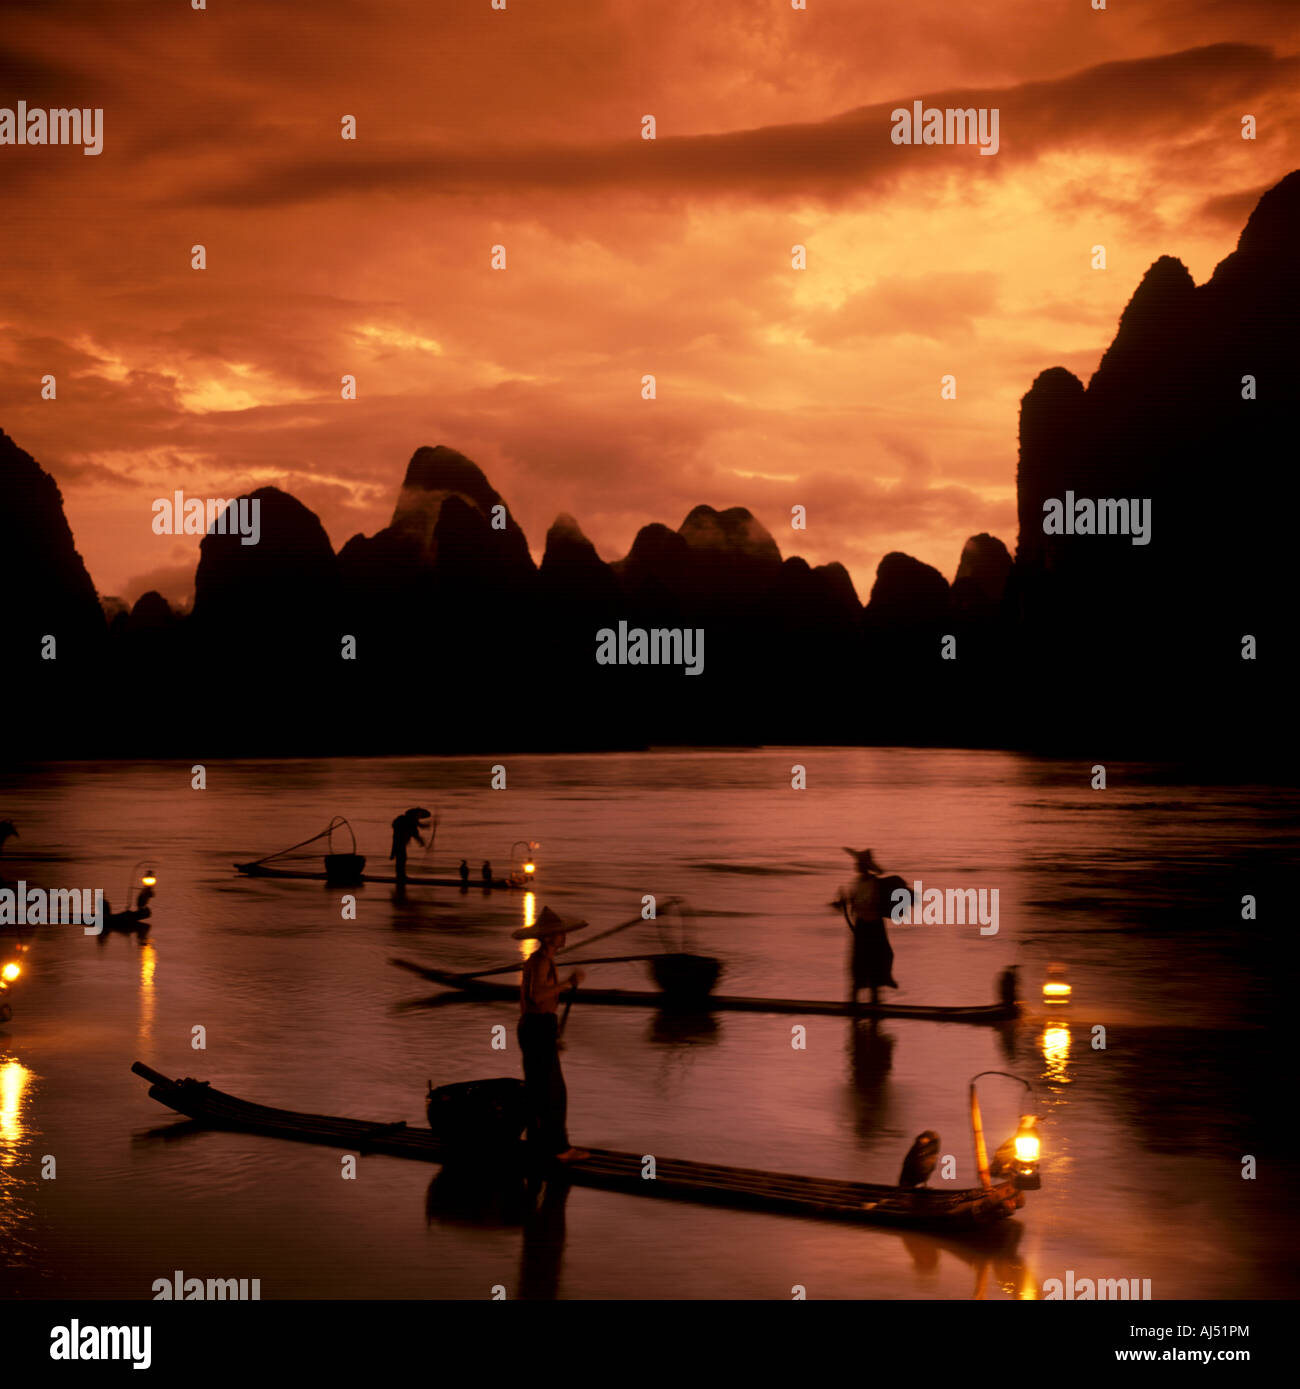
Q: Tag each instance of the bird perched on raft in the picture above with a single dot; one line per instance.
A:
(920, 1160)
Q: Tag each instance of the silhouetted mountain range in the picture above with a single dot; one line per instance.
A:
(461, 641)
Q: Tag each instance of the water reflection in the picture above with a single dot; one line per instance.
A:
(530, 920)
(682, 1029)
(148, 1001)
(542, 1255)
(15, 1210)
(490, 1196)
(996, 1257)
(14, 1077)
(871, 1058)
(463, 1193)
(1055, 1044)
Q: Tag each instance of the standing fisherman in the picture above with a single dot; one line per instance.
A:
(864, 906)
(545, 1094)
(406, 827)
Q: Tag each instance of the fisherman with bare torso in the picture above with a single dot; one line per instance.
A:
(545, 1094)
(864, 904)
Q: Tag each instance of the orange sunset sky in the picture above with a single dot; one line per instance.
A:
(625, 257)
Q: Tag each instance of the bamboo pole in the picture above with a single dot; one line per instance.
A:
(977, 1128)
(519, 964)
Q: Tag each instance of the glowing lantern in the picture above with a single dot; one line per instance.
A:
(1027, 1150)
(11, 971)
(523, 853)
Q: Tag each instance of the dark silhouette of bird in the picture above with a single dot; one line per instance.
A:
(920, 1160)
(1009, 984)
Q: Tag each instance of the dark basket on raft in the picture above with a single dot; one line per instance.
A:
(344, 870)
(477, 1118)
(685, 978)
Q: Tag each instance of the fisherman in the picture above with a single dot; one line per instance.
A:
(405, 828)
(865, 906)
(545, 1096)
(486, 873)
(464, 873)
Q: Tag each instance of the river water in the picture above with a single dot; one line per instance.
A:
(1136, 889)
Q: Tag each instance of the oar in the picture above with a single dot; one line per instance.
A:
(622, 926)
(573, 989)
(519, 964)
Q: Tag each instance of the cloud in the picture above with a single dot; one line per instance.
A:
(1171, 96)
(776, 386)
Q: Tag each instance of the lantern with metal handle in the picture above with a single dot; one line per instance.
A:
(147, 880)
(1027, 1148)
(1019, 1156)
(523, 852)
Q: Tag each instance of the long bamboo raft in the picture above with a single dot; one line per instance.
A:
(649, 998)
(256, 870)
(825, 1198)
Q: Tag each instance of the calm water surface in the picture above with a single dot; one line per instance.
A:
(1137, 889)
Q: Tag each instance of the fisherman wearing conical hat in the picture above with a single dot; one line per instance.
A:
(864, 904)
(545, 1095)
(406, 827)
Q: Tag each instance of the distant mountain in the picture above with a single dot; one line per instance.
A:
(44, 585)
(460, 640)
(1192, 410)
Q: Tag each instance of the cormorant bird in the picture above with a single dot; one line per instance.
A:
(920, 1160)
(1008, 984)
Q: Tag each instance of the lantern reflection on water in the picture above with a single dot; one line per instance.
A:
(1055, 1043)
(1056, 989)
(530, 920)
(13, 1085)
(148, 966)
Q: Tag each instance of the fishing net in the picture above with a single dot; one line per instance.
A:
(341, 865)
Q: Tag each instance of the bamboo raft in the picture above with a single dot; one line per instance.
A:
(648, 998)
(867, 1203)
(257, 870)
